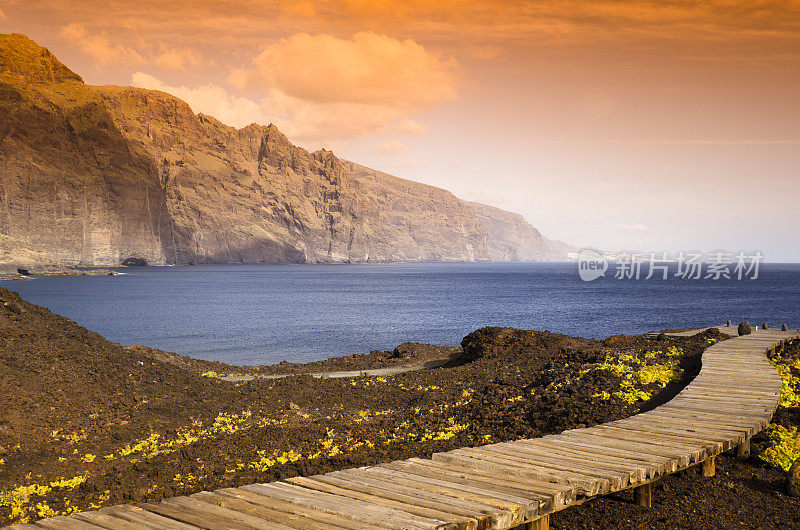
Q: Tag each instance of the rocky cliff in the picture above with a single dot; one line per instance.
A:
(97, 175)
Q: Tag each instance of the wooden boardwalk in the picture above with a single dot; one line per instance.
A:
(503, 485)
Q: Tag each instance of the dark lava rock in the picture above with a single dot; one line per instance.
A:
(764, 326)
(745, 329)
(411, 349)
(784, 328)
(494, 342)
(661, 337)
(793, 480)
(13, 306)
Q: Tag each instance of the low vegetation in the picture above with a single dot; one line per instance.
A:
(781, 448)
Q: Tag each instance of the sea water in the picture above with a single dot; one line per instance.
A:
(263, 314)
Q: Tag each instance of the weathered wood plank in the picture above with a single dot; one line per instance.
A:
(397, 501)
(510, 512)
(510, 459)
(214, 510)
(359, 480)
(108, 522)
(142, 517)
(66, 523)
(293, 515)
(193, 517)
(346, 507)
(457, 475)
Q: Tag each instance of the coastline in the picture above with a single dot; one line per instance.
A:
(10, 274)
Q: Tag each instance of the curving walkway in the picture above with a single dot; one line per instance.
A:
(503, 485)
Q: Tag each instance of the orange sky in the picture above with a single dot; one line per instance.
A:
(657, 125)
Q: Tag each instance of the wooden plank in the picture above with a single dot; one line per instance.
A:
(703, 426)
(726, 436)
(673, 457)
(696, 450)
(408, 504)
(549, 493)
(458, 476)
(293, 515)
(65, 523)
(513, 473)
(609, 480)
(275, 519)
(586, 485)
(184, 515)
(753, 426)
(346, 507)
(510, 512)
(618, 479)
(144, 518)
(207, 509)
(540, 449)
(600, 456)
(712, 445)
(721, 418)
(105, 521)
(359, 479)
(691, 405)
(612, 451)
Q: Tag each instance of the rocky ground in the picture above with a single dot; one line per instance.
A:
(86, 423)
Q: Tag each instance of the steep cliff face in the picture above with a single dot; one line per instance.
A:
(512, 238)
(97, 175)
(71, 183)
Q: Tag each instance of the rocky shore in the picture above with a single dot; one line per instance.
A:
(18, 273)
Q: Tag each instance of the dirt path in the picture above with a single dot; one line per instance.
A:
(349, 373)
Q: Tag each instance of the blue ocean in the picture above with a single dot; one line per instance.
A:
(263, 314)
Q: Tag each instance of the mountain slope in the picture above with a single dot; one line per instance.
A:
(97, 175)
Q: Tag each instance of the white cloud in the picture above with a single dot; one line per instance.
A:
(409, 126)
(177, 58)
(323, 87)
(412, 163)
(209, 99)
(391, 147)
(99, 47)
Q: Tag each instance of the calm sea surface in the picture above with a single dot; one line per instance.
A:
(265, 314)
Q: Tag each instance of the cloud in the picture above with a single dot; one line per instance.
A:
(177, 58)
(327, 87)
(99, 47)
(412, 163)
(3, 15)
(409, 126)
(369, 68)
(485, 53)
(391, 147)
(209, 99)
